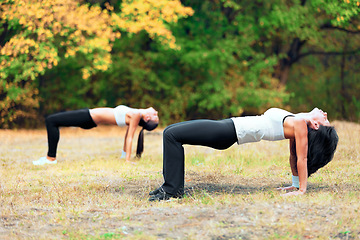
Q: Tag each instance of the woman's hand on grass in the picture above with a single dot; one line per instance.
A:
(290, 191)
(295, 193)
(289, 188)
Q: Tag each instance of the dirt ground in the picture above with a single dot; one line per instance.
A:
(178, 219)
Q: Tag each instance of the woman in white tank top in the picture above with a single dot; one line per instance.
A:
(315, 140)
(89, 118)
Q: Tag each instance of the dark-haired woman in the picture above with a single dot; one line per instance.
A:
(312, 144)
(89, 118)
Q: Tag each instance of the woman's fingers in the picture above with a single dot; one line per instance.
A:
(289, 188)
(295, 193)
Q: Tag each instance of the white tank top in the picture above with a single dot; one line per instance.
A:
(120, 114)
(268, 126)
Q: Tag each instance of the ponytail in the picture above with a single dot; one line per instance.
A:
(140, 144)
(149, 125)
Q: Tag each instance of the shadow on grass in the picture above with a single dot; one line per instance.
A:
(217, 189)
(244, 187)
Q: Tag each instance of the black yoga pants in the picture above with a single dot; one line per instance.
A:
(77, 118)
(218, 134)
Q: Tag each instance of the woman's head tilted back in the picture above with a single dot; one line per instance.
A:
(322, 144)
(149, 125)
(149, 121)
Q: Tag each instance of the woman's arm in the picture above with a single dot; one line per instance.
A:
(300, 133)
(126, 134)
(292, 158)
(292, 161)
(134, 119)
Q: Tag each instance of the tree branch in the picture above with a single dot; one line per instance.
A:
(328, 53)
(329, 26)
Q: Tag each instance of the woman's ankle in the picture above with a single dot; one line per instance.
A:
(50, 158)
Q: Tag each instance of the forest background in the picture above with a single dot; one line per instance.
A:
(188, 59)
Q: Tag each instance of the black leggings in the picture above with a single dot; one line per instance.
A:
(218, 134)
(78, 118)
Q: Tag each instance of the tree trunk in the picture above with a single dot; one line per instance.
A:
(345, 97)
(283, 68)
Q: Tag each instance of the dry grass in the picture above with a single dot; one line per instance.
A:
(91, 194)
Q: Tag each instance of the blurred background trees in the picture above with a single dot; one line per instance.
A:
(189, 59)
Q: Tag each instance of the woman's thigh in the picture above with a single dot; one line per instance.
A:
(219, 134)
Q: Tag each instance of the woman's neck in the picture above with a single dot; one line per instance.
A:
(307, 116)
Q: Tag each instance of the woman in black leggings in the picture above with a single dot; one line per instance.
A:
(218, 134)
(89, 118)
(315, 139)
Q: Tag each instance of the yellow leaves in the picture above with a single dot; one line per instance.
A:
(40, 13)
(151, 16)
(171, 7)
(56, 28)
(22, 20)
(101, 62)
(43, 34)
(96, 42)
(47, 19)
(18, 44)
(67, 26)
(57, 14)
(85, 73)
(25, 96)
(109, 7)
(70, 52)
(341, 18)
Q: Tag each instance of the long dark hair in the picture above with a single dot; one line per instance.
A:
(322, 144)
(149, 125)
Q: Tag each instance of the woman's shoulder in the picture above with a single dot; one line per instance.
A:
(294, 125)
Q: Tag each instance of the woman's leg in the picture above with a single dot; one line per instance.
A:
(218, 134)
(77, 118)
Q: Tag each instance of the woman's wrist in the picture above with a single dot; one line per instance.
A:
(123, 154)
(295, 182)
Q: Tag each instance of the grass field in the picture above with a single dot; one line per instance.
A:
(92, 194)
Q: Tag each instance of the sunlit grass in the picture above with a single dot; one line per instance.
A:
(92, 194)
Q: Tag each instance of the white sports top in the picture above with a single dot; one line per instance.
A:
(120, 113)
(268, 126)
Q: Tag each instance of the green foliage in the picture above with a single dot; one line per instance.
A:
(215, 74)
(324, 87)
(36, 36)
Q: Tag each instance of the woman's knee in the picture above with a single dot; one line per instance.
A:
(168, 132)
(50, 120)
